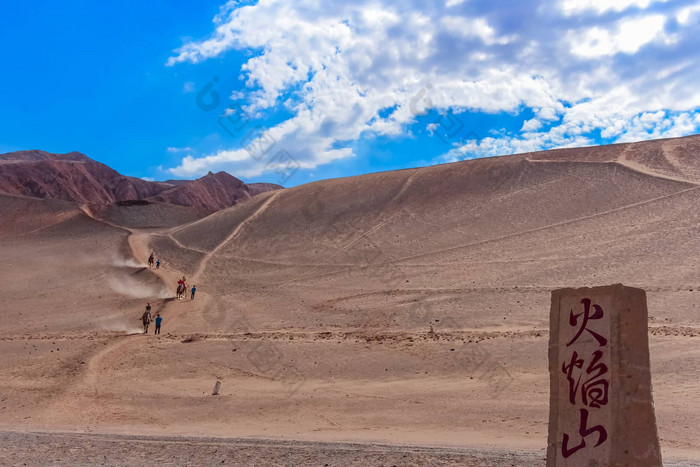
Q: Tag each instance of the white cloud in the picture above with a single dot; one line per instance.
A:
(531, 125)
(188, 87)
(349, 70)
(463, 27)
(644, 126)
(628, 36)
(685, 15)
(657, 125)
(570, 7)
(176, 150)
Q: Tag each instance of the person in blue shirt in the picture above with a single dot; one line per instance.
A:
(158, 264)
(159, 320)
(194, 289)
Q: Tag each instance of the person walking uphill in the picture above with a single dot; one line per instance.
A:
(159, 320)
(194, 289)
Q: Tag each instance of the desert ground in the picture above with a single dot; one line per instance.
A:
(397, 318)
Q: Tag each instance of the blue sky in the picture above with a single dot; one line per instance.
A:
(295, 91)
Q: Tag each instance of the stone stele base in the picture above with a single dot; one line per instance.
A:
(601, 411)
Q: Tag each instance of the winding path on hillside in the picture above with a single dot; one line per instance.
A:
(205, 261)
(88, 381)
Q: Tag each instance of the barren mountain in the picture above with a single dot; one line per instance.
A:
(177, 182)
(71, 177)
(254, 188)
(257, 188)
(407, 307)
(214, 191)
(76, 177)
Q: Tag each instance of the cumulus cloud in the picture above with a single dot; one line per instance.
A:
(353, 70)
(628, 36)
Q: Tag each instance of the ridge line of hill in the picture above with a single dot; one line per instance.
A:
(75, 177)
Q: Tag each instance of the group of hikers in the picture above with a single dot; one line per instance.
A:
(147, 318)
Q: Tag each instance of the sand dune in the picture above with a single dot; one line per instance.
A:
(404, 307)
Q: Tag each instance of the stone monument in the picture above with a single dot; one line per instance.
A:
(601, 411)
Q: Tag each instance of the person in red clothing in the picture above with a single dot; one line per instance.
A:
(181, 287)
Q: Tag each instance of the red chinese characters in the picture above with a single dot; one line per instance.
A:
(585, 317)
(587, 377)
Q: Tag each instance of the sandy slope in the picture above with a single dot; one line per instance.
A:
(315, 304)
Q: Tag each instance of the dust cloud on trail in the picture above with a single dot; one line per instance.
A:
(127, 329)
(121, 262)
(133, 288)
(133, 324)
